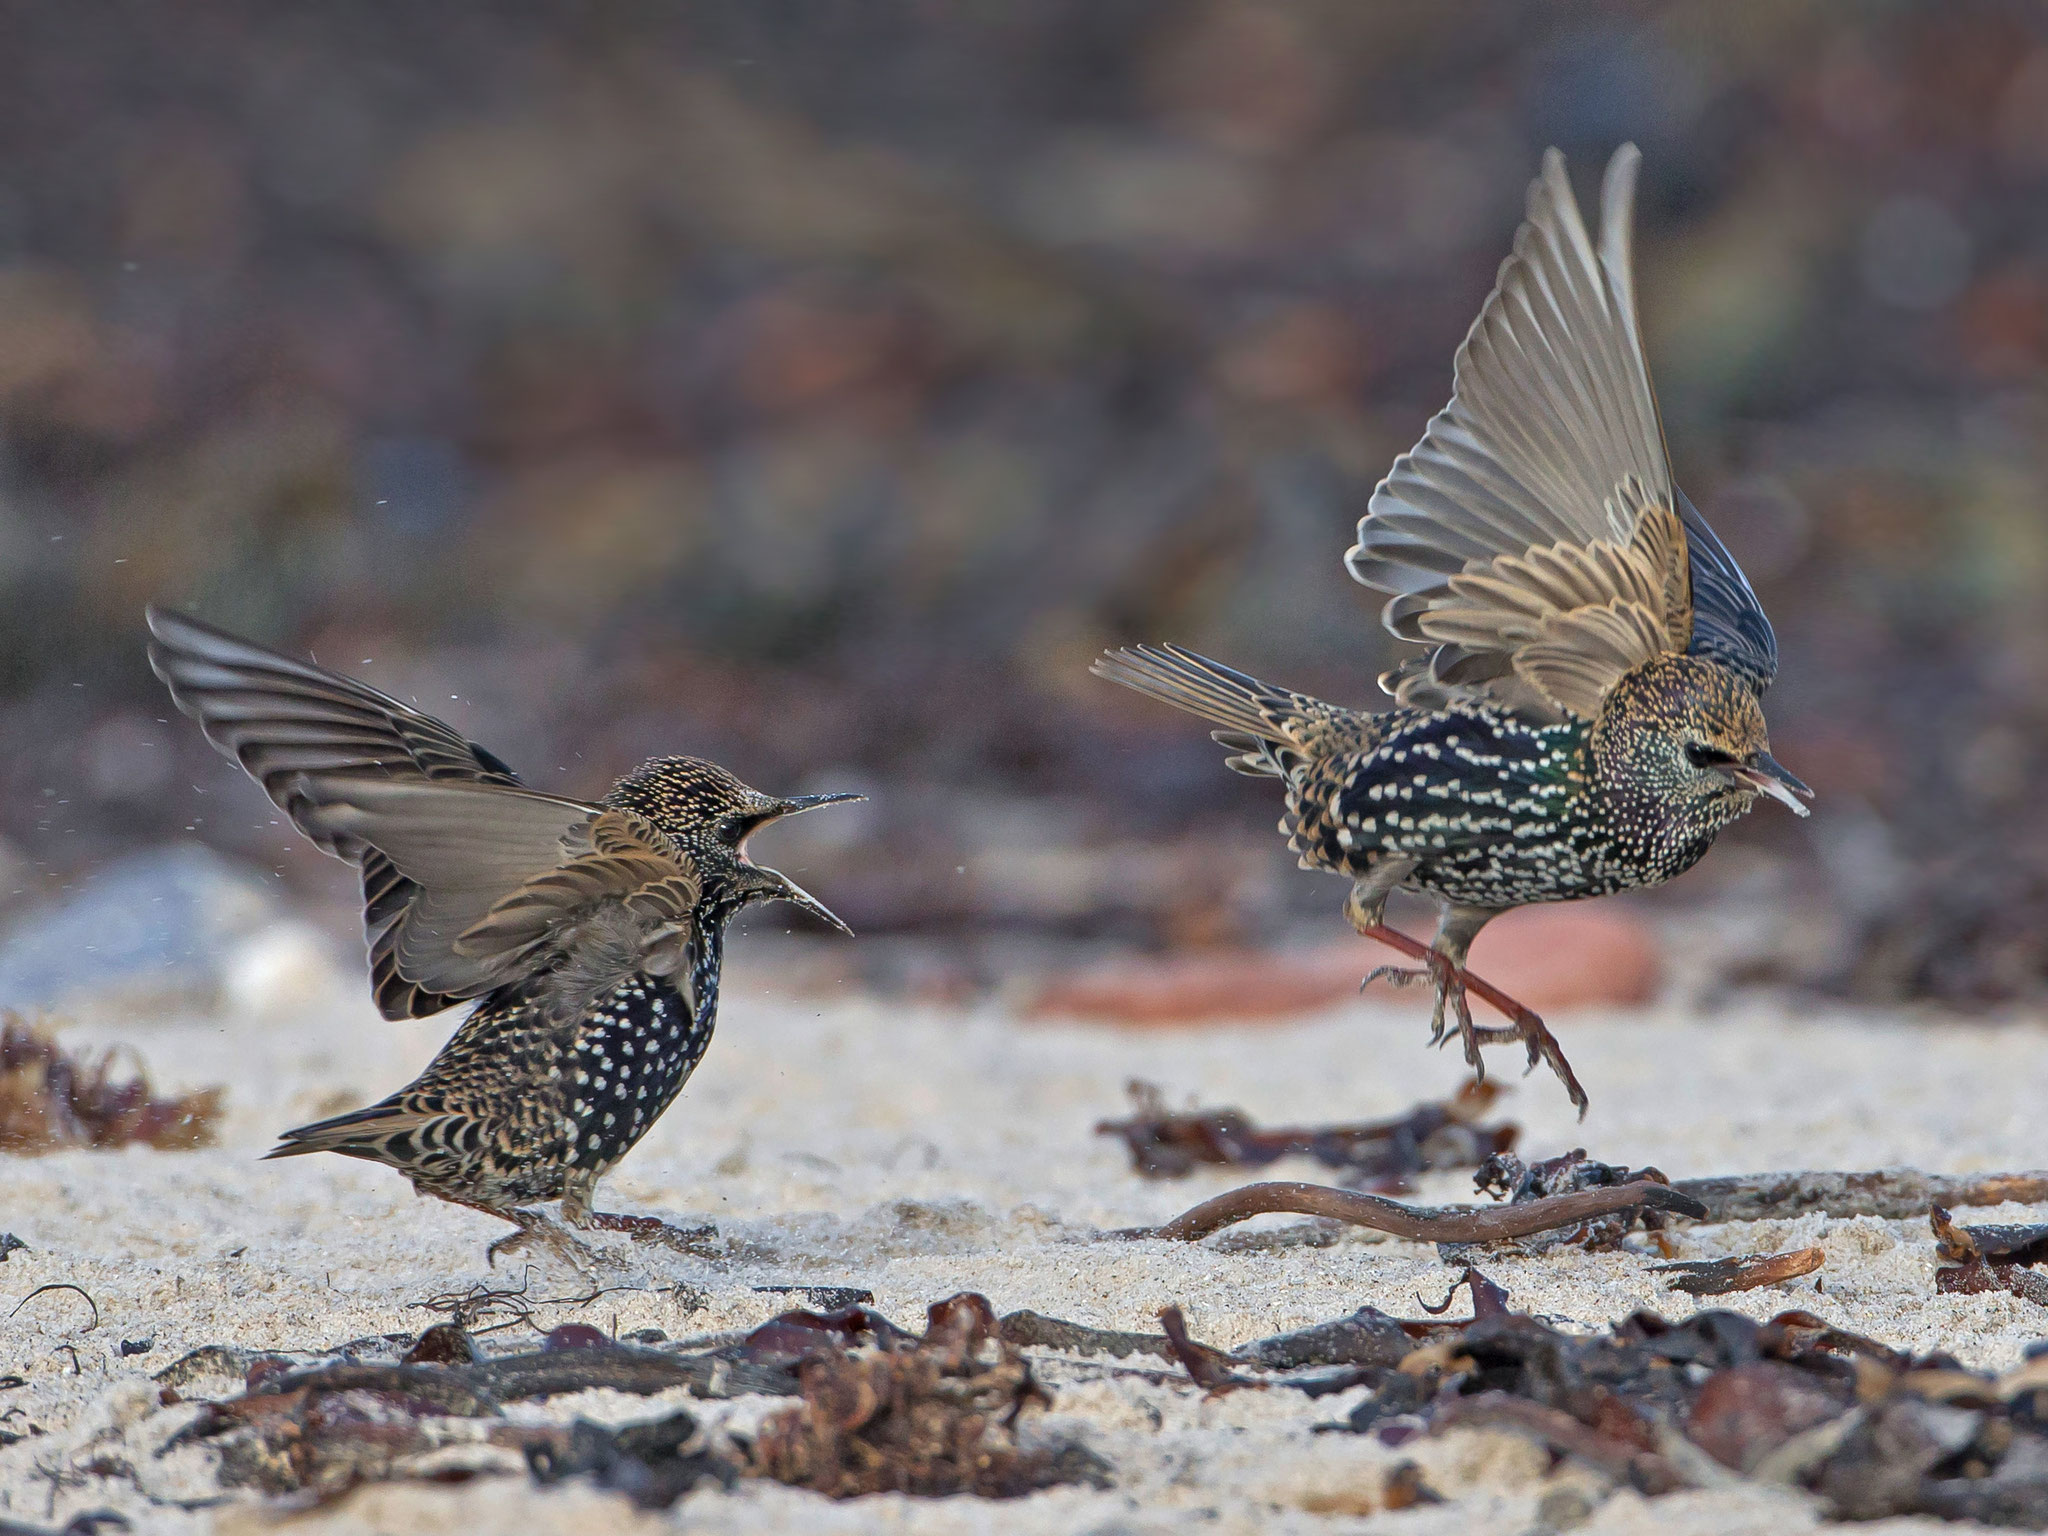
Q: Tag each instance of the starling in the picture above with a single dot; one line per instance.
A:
(589, 932)
(1588, 715)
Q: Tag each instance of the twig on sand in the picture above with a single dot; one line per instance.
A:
(1405, 1221)
(1034, 1330)
(1745, 1272)
(1894, 1194)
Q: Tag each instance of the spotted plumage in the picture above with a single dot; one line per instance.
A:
(590, 934)
(1588, 714)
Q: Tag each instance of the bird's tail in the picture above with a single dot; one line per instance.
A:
(1268, 729)
(383, 1133)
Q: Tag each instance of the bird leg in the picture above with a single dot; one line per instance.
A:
(1453, 981)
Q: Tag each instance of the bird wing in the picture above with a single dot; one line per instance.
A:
(628, 864)
(1728, 623)
(280, 718)
(502, 875)
(1532, 537)
(286, 720)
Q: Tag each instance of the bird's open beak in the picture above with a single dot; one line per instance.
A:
(1767, 776)
(789, 805)
(788, 890)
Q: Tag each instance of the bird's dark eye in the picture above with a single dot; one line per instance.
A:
(1700, 755)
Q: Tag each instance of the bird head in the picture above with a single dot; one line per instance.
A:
(1694, 732)
(709, 813)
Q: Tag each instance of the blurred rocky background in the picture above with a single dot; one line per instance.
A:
(816, 386)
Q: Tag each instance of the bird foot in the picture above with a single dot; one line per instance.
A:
(534, 1229)
(1449, 983)
(1452, 984)
(1537, 1039)
(700, 1241)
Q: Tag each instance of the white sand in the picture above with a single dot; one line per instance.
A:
(918, 1152)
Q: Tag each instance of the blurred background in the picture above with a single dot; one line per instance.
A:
(815, 387)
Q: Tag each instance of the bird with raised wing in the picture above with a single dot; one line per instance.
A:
(589, 933)
(1588, 713)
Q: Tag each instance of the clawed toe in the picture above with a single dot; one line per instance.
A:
(533, 1228)
(1396, 976)
(699, 1241)
(1452, 984)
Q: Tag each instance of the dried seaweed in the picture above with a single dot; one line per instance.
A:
(1506, 1176)
(88, 1524)
(936, 1417)
(627, 1368)
(1367, 1337)
(1383, 1154)
(1029, 1330)
(327, 1427)
(1207, 1368)
(1745, 1272)
(825, 1298)
(1414, 1223)
(1611, 1448)
(514, 1306)
(1661, 1406)
(800, 1334)
(443, 1344)
(2024, 1244)
(1989, 1258)
(51, 1100)
(1489, 1299)
(1405, 1488)
(650, 1463)
(327, 1430)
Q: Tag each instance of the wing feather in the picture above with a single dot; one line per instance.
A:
(285, 720)
(1543, 488)
(281, 718)
(462, 847)
(631, 864)
(1728, 623)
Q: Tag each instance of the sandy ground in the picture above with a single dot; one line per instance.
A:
(918, 1152)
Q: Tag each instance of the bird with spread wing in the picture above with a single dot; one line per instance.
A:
(1588, 713)
(589, 933)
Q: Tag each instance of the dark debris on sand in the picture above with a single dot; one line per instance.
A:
(1382, 1154)
(326, 1427)
(879, 1410)
(1989, 1258)
(1646, 1403)
(1506, 1177)
(933, 1416)
(1742, 1272)
(51, 1100)
(1660, 1406)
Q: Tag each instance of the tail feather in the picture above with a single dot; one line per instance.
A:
(359, 1133)
(1180, 677)
(1257, 718)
